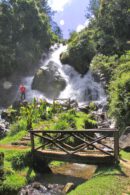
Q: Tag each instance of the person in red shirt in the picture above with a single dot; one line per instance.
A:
(22, 91)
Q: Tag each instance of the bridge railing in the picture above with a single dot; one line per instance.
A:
(105, 141)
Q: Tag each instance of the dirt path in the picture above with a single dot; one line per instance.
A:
(12, 147)
(125, 163)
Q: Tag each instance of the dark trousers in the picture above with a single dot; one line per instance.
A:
(23, 96)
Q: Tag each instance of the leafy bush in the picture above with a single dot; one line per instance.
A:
(61, 125)
(21, 160)
(119, 99)
(18, 126)
(104, 65)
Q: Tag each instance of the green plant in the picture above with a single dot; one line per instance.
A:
(18, 126)
(119, 100)
(92, 106)
(61, 125)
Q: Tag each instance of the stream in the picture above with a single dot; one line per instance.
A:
(55, 183)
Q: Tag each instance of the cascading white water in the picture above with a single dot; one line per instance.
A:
(80, 88)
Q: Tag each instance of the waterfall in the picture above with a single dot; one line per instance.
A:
(81, 88)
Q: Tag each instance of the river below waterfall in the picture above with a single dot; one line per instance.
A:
(50, 184)
(81, 88)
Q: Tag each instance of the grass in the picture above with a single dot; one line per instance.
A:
(16, 172)
(9, 139)
(125, 155)
(107, 181)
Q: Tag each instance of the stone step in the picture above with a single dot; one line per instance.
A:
(23, 143)
(25, 139)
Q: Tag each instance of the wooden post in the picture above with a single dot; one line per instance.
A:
(32, 141)
(1, 165)
(116, 145)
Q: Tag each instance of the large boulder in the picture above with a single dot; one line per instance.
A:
(125, 142)
(76, 61)
(49, 80)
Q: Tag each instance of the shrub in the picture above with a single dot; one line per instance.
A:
(18, 126)
(61, 125)
(20, 160)
(104, 65)
(119, 99)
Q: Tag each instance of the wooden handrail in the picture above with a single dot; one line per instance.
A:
(76, 131)
(81, 135)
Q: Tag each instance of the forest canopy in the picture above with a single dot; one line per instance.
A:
(25, 33)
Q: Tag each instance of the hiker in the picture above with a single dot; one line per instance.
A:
(22, 91)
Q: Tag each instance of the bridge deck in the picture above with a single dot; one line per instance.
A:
(89, 157)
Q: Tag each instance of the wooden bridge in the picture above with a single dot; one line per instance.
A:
(92, 146)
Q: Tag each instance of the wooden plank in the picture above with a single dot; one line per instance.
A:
(116, 145)
(78, 158)
(32, 141)
(56, 144)
(92, 144)
(78, 131)
(99, 141)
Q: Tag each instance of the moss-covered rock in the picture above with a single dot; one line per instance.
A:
(48, 80)
(80, 51)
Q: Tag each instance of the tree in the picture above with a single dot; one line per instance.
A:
(111, 24)
(25, 33)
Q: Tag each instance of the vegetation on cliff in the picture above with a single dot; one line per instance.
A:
(107, 34)
(116, 73)
(81, 49)
(104, 43)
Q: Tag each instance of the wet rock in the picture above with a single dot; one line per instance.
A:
(124, 140)
(3, 128)
(49, 81)
(33, 189)
(80, 64)
(38, 188)
(16, 105)
(73, 104)
(8, 115)
(68, 187)
(84, 108)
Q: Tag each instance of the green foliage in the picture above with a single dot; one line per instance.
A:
(61, 125)
(21, 160)
(92, 106)
(112, 26)
(33, 112)
(12, 184)
(23, 41)
(16, 171)
(12, 138)
(116, 72)
(103, 183)
(80, 51)
(18, 126)
(125, 155)
(69, 117)
(107, 34)
(104, 65)
(119, 97)
(90, 123)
